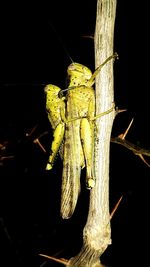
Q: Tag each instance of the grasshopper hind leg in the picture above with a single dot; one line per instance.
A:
(86, 131)
(58, 138)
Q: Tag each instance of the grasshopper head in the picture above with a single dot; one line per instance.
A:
(78, 74)
(51, 89)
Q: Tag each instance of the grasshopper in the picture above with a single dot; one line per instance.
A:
(75, 127)
(55, 107)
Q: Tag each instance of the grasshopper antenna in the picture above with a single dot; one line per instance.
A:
(60, 94)
(61, 42)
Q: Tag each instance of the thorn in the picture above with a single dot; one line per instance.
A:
(127, 130)
(43, 263)
(2, 147)
(120, 110)
(36, 141)
(142, 158)
(116, 207)
(88, 36)
(41, 135)
(61, 260)
(116, 55)
(32, 131)
(6, 157)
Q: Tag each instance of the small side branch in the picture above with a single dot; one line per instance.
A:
(137, 150)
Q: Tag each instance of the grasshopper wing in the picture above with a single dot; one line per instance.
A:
(71, 161)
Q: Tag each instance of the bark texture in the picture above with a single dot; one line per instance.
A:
(97, 231)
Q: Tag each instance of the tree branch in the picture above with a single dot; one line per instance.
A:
(97, 232)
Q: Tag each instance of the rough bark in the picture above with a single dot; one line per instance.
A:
(97, 231)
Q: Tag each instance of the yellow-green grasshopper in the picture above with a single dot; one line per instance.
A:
(76, 123)
(79, 134)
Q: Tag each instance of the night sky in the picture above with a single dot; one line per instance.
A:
(36, 43)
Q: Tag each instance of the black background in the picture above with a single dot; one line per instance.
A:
(33, 43)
